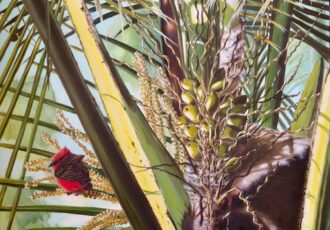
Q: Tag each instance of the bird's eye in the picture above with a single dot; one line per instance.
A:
(59, 159)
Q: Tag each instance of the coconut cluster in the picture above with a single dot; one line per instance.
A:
(207, 117)
(213, 121)
(212, 116)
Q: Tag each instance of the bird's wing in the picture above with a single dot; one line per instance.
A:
(73, 169)
(73, 158)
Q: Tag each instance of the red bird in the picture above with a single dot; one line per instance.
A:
(70, 172)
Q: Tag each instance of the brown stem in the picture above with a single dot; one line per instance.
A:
(171, 48)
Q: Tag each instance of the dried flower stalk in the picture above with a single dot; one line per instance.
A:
(102, 187)
(108, 218)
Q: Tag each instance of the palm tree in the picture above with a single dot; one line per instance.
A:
(223, 140)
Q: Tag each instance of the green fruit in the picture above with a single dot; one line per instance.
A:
(200, 93)
(238, 109)
(224, 106)
(219, 85)
(188, 84)
(191, 131)
(211, 101)
(207, 124)
(193, 150)
(236, 120)
(209, 121)
(191, 112)
(182, 120)
(204, 126)
(231, 164)
(222, 149)
(187, 97)
(229, 132)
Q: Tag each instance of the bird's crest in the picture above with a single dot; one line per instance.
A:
(60, 154)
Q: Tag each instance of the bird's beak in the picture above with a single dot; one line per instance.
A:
(51, 164)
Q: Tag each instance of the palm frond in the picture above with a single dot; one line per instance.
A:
(315, 215)
(307, 107)
(130, 126)
(106, 148)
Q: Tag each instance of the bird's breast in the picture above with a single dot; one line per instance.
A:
(70, 186)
